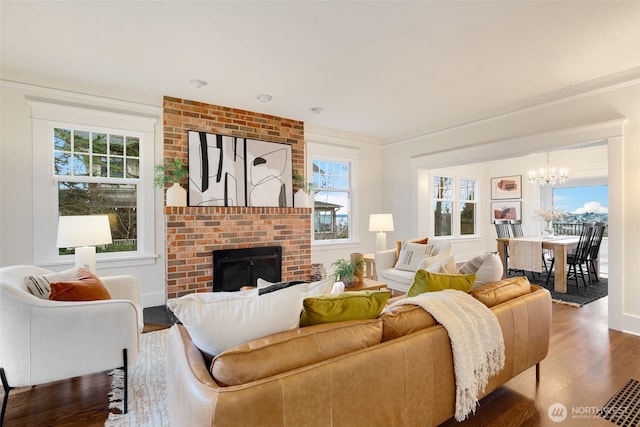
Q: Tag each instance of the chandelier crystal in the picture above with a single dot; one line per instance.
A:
(549, 175)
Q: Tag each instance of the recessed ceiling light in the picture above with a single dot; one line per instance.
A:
(316, 110)
(198, 83)
(263, 97)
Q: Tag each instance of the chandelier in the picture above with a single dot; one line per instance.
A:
(548, 175)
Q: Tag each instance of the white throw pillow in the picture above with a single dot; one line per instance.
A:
(218, 321)
(40, 286)
(320, 287)
(439, 264)
(487, 268)
(412, 254)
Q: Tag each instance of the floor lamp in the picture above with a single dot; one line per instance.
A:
(381, 223)
(84, 232)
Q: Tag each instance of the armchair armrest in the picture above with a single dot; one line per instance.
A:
(122, 287)
(43, 341)
(385, 259)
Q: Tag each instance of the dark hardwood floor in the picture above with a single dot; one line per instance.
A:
(587, 363)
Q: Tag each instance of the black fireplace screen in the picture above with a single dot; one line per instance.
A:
(235, 268)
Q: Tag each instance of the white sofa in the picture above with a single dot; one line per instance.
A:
(401, 280)
(43, 341)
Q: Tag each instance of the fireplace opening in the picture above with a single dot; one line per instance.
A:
(235, 268)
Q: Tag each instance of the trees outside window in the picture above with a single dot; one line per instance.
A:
(450, 192)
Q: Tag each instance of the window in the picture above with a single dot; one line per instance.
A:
(89, 162)
(450, 192)
(331, 214)
(98, 173)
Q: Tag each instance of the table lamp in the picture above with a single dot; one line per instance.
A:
(381, 223)
(84, 232)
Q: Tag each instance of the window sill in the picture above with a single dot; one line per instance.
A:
(114, 262)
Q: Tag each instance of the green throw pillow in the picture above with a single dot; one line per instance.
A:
(425, 281)
(355, 305)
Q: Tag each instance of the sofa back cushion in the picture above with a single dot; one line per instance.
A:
(403, 320)
(285, 351)
(503, 290)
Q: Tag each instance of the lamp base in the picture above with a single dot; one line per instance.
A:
(381, 241)
(86, 256)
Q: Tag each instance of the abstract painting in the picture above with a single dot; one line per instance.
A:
(506, 187)
(235, 171)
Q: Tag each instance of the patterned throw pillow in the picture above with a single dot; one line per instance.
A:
(412, 254)
(40, 285)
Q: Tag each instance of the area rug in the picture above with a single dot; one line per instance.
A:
(575, 296)
(147, 386)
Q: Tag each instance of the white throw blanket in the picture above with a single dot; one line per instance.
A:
(476, 341)
(525, 255)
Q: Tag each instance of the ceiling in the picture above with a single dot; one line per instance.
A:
(385, 71)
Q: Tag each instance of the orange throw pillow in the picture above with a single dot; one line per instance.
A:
(86, 287)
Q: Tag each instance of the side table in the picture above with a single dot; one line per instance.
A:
(367, 285)
(370, 266)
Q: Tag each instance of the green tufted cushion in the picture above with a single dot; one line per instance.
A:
(355, 305)
(425, 281)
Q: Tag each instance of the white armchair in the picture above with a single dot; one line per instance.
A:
(401, 279)
(43, 341)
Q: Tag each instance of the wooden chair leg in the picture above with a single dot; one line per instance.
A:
(538, 372)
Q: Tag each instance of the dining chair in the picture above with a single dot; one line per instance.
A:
(502, 228)
(594, 250)
(580, 257)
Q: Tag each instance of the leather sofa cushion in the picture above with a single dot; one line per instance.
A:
(285, 351)
(503, 290)
(403, 320)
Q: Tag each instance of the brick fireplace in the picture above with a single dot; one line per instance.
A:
(192, 233)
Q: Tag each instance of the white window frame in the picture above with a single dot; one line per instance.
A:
(456, 202)
(47, 115)
(316, 151)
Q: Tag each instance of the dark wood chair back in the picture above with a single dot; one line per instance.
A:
(502, 228)
(516, 227)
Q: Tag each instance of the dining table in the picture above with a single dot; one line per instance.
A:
(560, 245)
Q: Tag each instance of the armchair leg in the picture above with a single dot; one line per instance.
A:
(5, 400)
(537, 372)
(126, 380)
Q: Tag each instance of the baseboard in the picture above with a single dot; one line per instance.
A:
(631, 324)
(152, 299)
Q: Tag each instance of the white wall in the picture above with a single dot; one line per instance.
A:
(16, 184)
(367, 193)
(16, 187)
(623, 101)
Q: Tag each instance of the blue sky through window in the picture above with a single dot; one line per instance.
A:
(578, 200)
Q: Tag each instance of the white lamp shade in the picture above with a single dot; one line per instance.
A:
(83, 230)
(381, 222)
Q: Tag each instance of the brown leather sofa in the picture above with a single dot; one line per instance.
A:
(396, 370)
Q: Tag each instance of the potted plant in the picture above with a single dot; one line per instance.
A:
(345, 271)
(305, 189)
(172, 172)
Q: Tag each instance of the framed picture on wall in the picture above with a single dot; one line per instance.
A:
(506, 187)
(511, 209)
(228, 171)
